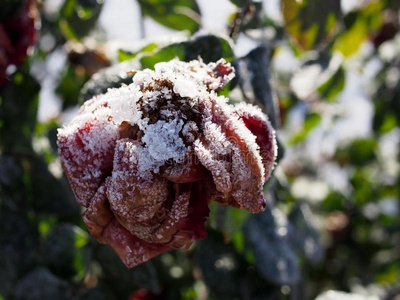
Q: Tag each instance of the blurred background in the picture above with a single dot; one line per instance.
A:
(326, 73)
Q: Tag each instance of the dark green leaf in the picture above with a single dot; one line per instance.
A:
(18, 109)
(70, 86)
(220, 266)
(77, 18)
(41, 284)
(63, 251)
(310, 23)
(252, 72)
(267, 236)
(175, 14)
(18, 243)
(209, 48)
(164, 54)
(359, 152)
(111, 77)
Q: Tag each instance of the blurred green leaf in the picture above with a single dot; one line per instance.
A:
(175, 14)
(18, 109)
(126, 55)
(42, 284)
(333, 86)
(310, 23)
(63, 251)
(358, 26)
(220, 265)
(77, 17)
(70, 86)
(164, 54)
(311, 121)
(359, 152)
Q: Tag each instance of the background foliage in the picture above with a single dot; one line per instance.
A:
(328, 77)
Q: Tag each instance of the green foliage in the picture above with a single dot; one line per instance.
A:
(175, 14)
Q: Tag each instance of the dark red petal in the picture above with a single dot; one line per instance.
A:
(85, 162)
(260, 126)
(130, 249)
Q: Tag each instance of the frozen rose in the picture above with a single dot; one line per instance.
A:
(147, 159)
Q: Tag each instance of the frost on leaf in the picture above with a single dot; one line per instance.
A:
(146, 159)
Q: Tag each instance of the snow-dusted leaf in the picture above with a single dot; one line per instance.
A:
(111, 77)
(267, 236)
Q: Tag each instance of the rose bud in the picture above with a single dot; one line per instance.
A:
(146, 159)
(18, 32)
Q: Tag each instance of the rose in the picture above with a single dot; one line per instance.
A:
(18, 32)
(146, 159)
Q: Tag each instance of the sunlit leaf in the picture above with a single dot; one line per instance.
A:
(126, 55)
(175, 14)
(358, 26)
(310, 23)
(333, 86)
(165, 54)
(311, 121)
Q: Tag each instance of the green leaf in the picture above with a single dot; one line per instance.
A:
(209, 48)
(312, 120)
(358, 26)
(125, 55)
(18, 110)
(164, 54)
(359, 152)
(77, 17)
(310, 23)
(175, 14)
(333, 86)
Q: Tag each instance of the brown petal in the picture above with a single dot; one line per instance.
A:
(136, 198)
(247, 174)
(130, 249)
